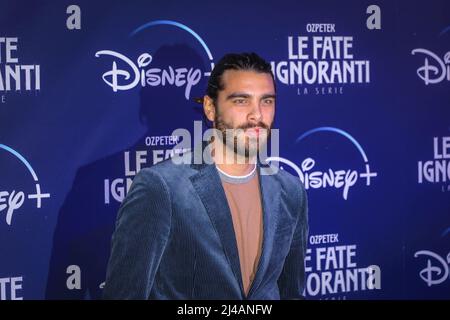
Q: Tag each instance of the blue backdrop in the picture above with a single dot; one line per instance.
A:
(91, 92)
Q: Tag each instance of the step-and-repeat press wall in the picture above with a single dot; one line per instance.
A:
(91, 91)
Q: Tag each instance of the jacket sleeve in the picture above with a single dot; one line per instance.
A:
(291, 282)
(138, 243)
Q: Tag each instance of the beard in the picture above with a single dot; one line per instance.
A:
(235, 138)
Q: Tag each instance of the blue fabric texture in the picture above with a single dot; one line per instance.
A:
(174, 238)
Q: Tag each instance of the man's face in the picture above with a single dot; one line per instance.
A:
(245, 110)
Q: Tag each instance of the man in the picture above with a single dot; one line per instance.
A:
(219, 229)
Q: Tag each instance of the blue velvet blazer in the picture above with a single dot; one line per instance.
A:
(174, 238)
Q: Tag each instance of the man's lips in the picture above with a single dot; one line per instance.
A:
(253, 131)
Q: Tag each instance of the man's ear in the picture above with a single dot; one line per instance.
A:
(208, 108)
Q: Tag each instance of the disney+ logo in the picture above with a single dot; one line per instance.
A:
(434, 69)
(122, 79)
(437, 268)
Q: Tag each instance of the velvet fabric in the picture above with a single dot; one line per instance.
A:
(174, 238)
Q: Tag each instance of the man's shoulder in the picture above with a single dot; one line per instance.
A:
(287, 180)
(293, 192)
(168, 170)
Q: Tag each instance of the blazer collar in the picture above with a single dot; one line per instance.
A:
(208, 186)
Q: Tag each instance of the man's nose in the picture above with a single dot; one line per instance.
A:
(255, 114)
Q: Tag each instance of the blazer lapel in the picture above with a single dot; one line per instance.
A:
(270, 196)
(208, 185)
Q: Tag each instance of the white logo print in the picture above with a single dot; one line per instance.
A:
(122, 79)
(133, 74)
(13, 200)
(434, 69)
(340, 179)
(437, 268)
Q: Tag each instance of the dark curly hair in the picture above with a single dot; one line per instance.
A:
(235, 61)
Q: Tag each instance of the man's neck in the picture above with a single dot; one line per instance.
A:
(231, 163)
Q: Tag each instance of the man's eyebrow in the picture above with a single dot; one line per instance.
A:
(238, 95)
(268, 96)
(246, 95)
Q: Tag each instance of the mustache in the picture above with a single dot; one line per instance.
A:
(253, 125)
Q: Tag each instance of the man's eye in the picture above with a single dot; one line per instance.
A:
(268, 101)
(239, 101)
